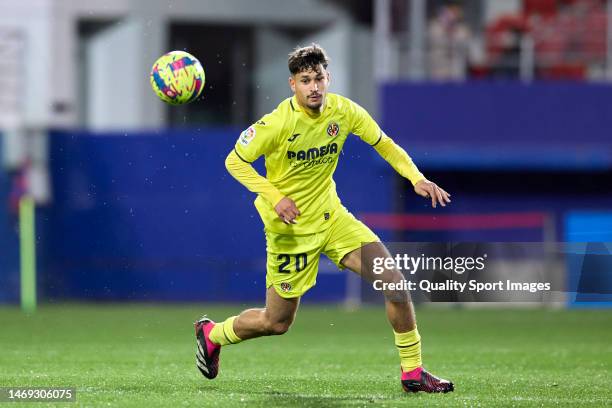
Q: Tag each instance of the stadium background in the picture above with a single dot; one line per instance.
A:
(138, 227)
(507, 104)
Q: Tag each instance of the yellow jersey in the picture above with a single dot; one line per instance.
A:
(301, 153)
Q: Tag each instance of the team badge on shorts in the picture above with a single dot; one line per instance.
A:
(285, 286)
(247, 136)
(333, 129)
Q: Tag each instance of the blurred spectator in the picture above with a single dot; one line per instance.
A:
(449, 40)
(19, 188)
(504, 39)
(569, 39)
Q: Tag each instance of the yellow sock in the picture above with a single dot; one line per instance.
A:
(409, 346)
(223, 333)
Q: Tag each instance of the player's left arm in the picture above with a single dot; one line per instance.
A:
(403, 164)
(368, 130)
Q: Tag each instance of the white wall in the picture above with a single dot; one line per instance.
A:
(33, 18)
(26, 138)
(149, 43)
(293, 12)
(118, 63)
(336, 41)
(53, 53)
(495, 8)
(363, 86)
(272, 74)
(351, 67)
(351, 62)
(113, 78)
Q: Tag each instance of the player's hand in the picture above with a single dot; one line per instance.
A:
(427, 189)
(287, 210)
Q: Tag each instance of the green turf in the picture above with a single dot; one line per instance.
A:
(143, 355)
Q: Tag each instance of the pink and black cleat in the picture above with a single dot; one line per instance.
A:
(207, 353)
(420, 380)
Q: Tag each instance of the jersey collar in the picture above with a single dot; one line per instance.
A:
(295, 106)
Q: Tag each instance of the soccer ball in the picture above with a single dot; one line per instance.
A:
(177, 77)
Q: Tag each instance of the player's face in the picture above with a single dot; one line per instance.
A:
(310, 88)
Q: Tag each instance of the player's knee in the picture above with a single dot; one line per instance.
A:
(278, 328)
(395, 295)
(392, 276)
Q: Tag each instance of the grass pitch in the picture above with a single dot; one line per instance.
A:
(143, 355)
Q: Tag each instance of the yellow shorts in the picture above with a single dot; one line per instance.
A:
(293, 260)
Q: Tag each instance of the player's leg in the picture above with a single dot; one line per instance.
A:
(292, 265)
(400, 313)
(273, 319)
(398, 304)
(353, 245)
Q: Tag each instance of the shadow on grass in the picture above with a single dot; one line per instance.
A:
(282, 399)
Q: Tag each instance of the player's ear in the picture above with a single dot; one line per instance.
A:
(292, 83)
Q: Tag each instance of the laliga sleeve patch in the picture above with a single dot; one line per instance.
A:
(247, 136)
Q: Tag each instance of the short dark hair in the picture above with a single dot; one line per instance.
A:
(307, 58)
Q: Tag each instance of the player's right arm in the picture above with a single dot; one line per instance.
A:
(259, 139)
(248, 177)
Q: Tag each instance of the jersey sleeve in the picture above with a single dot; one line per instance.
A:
(260, 138)
(248, 177)
(363, 125)
(368, 130)
(398, 159)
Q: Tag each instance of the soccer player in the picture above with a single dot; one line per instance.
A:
(303, 216)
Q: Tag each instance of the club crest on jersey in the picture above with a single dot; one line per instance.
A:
(285, 286)
(247, 136)
(333, 129)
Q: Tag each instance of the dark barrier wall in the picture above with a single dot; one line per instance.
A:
(506, 147)
(155, 216)
(9, 241)
(502, 125)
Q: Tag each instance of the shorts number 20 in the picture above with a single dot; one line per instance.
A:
(301, 261)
